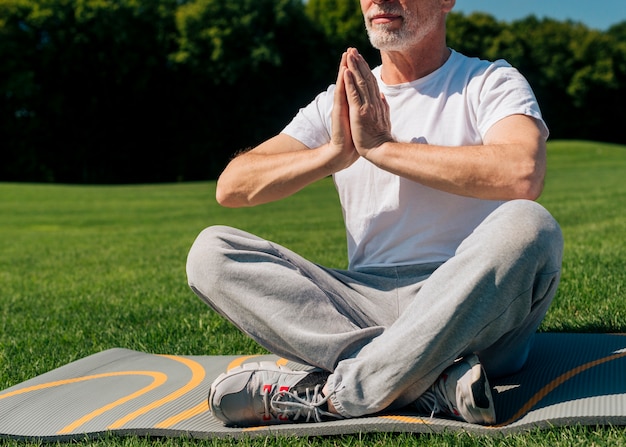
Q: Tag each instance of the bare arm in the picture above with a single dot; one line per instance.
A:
(273, 170)
(509, 165)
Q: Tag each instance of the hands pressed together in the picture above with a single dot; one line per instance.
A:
(360, 119)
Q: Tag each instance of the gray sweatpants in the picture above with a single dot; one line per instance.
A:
(386, 334)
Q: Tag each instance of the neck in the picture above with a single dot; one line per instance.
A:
(399, 67)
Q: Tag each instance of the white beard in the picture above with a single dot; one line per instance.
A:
(408, 35)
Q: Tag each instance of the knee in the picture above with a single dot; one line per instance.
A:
(521, 230)
(204, 257)
(533, 227)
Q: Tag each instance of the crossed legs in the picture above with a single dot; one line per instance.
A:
(386, 334)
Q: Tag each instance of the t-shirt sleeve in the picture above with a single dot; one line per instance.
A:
(312, 124)
(506, 92)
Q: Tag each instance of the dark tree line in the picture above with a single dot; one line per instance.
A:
(110, 91)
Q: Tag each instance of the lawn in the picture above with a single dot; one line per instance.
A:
(87, 268)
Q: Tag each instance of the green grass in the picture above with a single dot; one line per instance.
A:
(586, 192)
(87, 268)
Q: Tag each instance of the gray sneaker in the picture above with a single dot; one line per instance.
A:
(265, 394)
(462, 391)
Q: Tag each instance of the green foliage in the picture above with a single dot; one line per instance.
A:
(474, 34)
(116, 91)
(618, 32)
(249, 66)
(133, 90)
(233, 41)
(578, 74)
(341, 21)
(92, 73)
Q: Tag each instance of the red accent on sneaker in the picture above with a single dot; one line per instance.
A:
(282, 417)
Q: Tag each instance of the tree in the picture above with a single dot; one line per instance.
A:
(20, 41)
(99, 91)
(472, 35)
(341, 22)
(618, 32)
(95, 71)
(148, 90)
(255, 62)
(574, 71)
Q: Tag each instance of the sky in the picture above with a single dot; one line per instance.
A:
(598, 14)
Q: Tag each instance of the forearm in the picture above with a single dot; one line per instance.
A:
(255, 178)
(492, 172)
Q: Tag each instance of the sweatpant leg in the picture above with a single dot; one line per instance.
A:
(291, 306)
(489, 299)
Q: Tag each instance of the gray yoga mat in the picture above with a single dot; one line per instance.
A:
(569, 379)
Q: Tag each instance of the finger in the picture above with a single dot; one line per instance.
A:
(353, 93)
(339, 99)
(340, 114)
(358, 79)
(343, 64)
(344, 59)
(360, 64)
(365, 80)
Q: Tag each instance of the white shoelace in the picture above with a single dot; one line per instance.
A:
(288, 405)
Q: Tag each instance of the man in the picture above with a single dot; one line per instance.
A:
(437, 159)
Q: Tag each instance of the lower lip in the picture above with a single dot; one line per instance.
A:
(383, 20)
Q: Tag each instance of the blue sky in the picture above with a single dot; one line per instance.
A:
(599, 14)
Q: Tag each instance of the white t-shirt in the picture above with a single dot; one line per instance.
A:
(394, 221)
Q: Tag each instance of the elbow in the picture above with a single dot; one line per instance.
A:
(530, 183)
(226, 197)
(537, 188)
(222, 198)
(531, 190)
(229, 201)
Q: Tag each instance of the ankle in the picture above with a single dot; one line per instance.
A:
(331, 407)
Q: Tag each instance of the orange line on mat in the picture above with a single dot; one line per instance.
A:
(42, 386)
(547, 389)
(197, 376)
(159, 379)
(261, 427)
(407, 419)
(183, 416)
